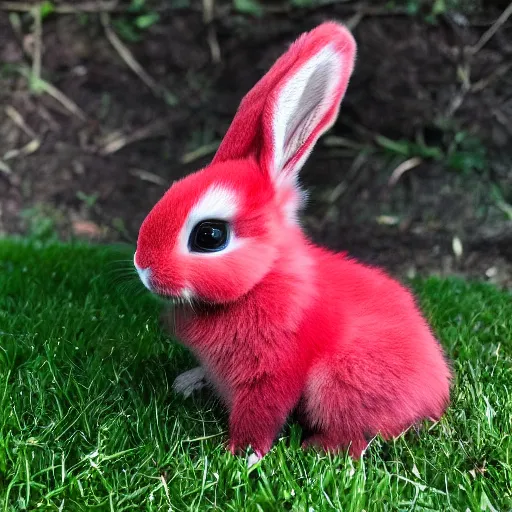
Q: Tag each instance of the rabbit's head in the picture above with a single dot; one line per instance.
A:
(216, 233)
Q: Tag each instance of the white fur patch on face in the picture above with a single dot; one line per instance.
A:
(144, 274)
(219, 203)
(302, 103)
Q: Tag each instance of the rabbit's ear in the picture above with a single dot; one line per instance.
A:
(282, 117)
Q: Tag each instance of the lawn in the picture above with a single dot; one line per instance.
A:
(88, 420)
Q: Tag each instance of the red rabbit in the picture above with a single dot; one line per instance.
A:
(279, 324)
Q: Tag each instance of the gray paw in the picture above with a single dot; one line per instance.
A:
(190, 381)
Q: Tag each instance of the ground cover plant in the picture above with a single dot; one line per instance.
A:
(88, 420)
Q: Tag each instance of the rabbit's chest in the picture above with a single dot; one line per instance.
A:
(233, 352)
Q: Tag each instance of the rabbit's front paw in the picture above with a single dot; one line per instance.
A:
(253, 458)
(190, 381)
(258, 448)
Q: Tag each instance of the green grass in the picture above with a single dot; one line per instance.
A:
(88, 420)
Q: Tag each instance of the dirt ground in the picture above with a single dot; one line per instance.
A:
(90, 155)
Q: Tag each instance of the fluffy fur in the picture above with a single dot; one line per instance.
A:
(279, 324)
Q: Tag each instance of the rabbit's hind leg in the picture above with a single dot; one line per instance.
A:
(333, 413)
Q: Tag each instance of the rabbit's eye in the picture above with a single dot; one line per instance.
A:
(209, 236)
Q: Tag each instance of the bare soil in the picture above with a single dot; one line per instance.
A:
(98, 175)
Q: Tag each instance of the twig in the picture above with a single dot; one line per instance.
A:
(5, 168)
(361, 13)
(130, 60)
(351, 177)
(15, 21)
(464, 71)
(148, 176)
(28, 149)
(489, 33)
(43, 112)
(118, 141)
(126, 55)
(337, 192)
(63, 100)
(213, 43)
(17, 119)
(90, 7)
(484, 82)
(38, 42)
(409, 164)
(505, 208)
(354, 20)
(464, 74)
(56, 94)
(502, 119)
(335, 141)
(200, 152)
(208, 11)
(501, 203)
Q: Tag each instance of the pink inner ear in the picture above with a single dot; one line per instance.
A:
(299, 111)
(251, 132)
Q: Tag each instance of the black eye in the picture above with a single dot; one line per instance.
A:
(209, 236)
